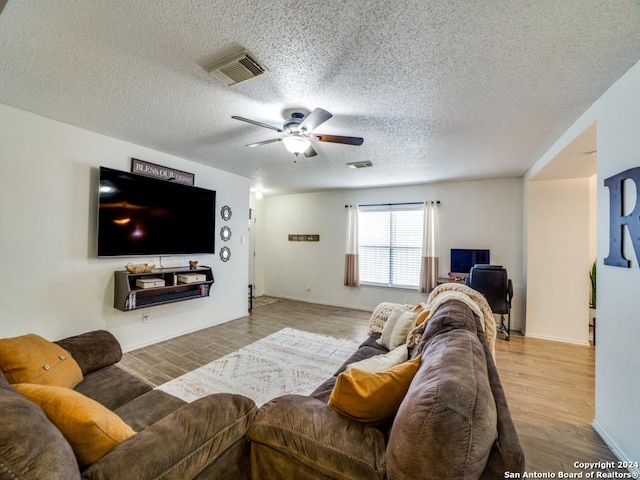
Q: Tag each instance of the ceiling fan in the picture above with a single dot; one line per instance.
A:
(298, 132)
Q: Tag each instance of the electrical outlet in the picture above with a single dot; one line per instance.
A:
(145, 317)
(308, 287)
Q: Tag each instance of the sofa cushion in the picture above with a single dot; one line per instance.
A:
(372, 397)
(395, 331)
(112, 386)
(382, 361)
(451, 315)
(93, 350)
(91, 429)
(31, 447)
(199, 437)
(295, 435)
(449, 411)
(148, 408)
(32, 359)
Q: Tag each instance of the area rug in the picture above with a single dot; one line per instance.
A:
(262, 301)
(288, 361)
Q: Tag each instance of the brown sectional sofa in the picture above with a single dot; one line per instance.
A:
(175, 440)
(454, 422)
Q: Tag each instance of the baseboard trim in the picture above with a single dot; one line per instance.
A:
(129, 348)
(614, 446)
(559, 339)
(316, 302)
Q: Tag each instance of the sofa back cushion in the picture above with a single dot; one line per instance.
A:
(93, 350)
(31, 448)
(446, 425)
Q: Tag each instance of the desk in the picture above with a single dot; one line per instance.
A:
(442, 280)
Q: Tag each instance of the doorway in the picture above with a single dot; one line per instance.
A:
(561, 222)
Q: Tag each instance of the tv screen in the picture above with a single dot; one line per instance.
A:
(139, 215)
(462, 259)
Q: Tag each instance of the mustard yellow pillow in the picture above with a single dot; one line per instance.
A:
(422, 316)
(32, 359)
(91, 429)
(372, 397)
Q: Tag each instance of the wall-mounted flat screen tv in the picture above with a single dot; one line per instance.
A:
(139, 215)
(463, 259)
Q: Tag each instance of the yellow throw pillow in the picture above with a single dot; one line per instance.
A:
(91, 429)
(422, 316)
(32, 359)
(372, 397)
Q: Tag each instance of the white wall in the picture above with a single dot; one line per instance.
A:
(558, 259)
(51, 282)
(475, 214)
(618, 321)
(617, 114)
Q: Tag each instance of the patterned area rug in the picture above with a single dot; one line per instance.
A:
(288, 361)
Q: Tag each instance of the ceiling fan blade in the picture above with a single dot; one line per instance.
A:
(259, 124)
(265, 142)
(339, 139)
(315, 119)
(310, 152)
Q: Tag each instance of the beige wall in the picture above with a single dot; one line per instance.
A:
(474, 214)
(52, 283)
(559, 256)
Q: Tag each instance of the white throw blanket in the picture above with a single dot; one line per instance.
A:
(470, 297)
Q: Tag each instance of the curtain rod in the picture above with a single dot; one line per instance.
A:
(393, 204)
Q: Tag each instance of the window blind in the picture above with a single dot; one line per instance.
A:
(390, 245)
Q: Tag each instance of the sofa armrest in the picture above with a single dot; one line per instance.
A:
(295, 436)
(182, 444)
(507, 454)
(93, 350)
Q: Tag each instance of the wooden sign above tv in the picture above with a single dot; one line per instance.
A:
(163, 173)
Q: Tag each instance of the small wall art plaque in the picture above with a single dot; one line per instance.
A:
(163, 173)
(304, 237)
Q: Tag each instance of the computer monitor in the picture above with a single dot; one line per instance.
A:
(463, 259)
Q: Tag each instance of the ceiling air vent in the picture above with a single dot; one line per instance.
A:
(236, 68)
(365, 164)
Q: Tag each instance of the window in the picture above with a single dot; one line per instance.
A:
(390, 245)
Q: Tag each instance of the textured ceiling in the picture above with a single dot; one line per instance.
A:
(439, 89)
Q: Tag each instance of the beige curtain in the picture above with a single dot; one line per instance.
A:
(430, 248)
(351, 267)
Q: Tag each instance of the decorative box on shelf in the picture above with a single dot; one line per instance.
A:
(149, 282)
(191, 277)
(160, 286)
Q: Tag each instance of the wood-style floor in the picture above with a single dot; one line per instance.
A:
(549, 385)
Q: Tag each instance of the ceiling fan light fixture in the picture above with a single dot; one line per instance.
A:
(295, 144)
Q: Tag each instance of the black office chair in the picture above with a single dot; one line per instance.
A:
(493, 283)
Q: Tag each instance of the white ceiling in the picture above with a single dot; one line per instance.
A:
(439, 89)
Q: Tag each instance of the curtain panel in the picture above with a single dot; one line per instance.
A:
(351, 266)
(430, 248)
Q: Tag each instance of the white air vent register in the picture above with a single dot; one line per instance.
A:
(236, 68)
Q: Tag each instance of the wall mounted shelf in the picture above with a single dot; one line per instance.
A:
(129, 295)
